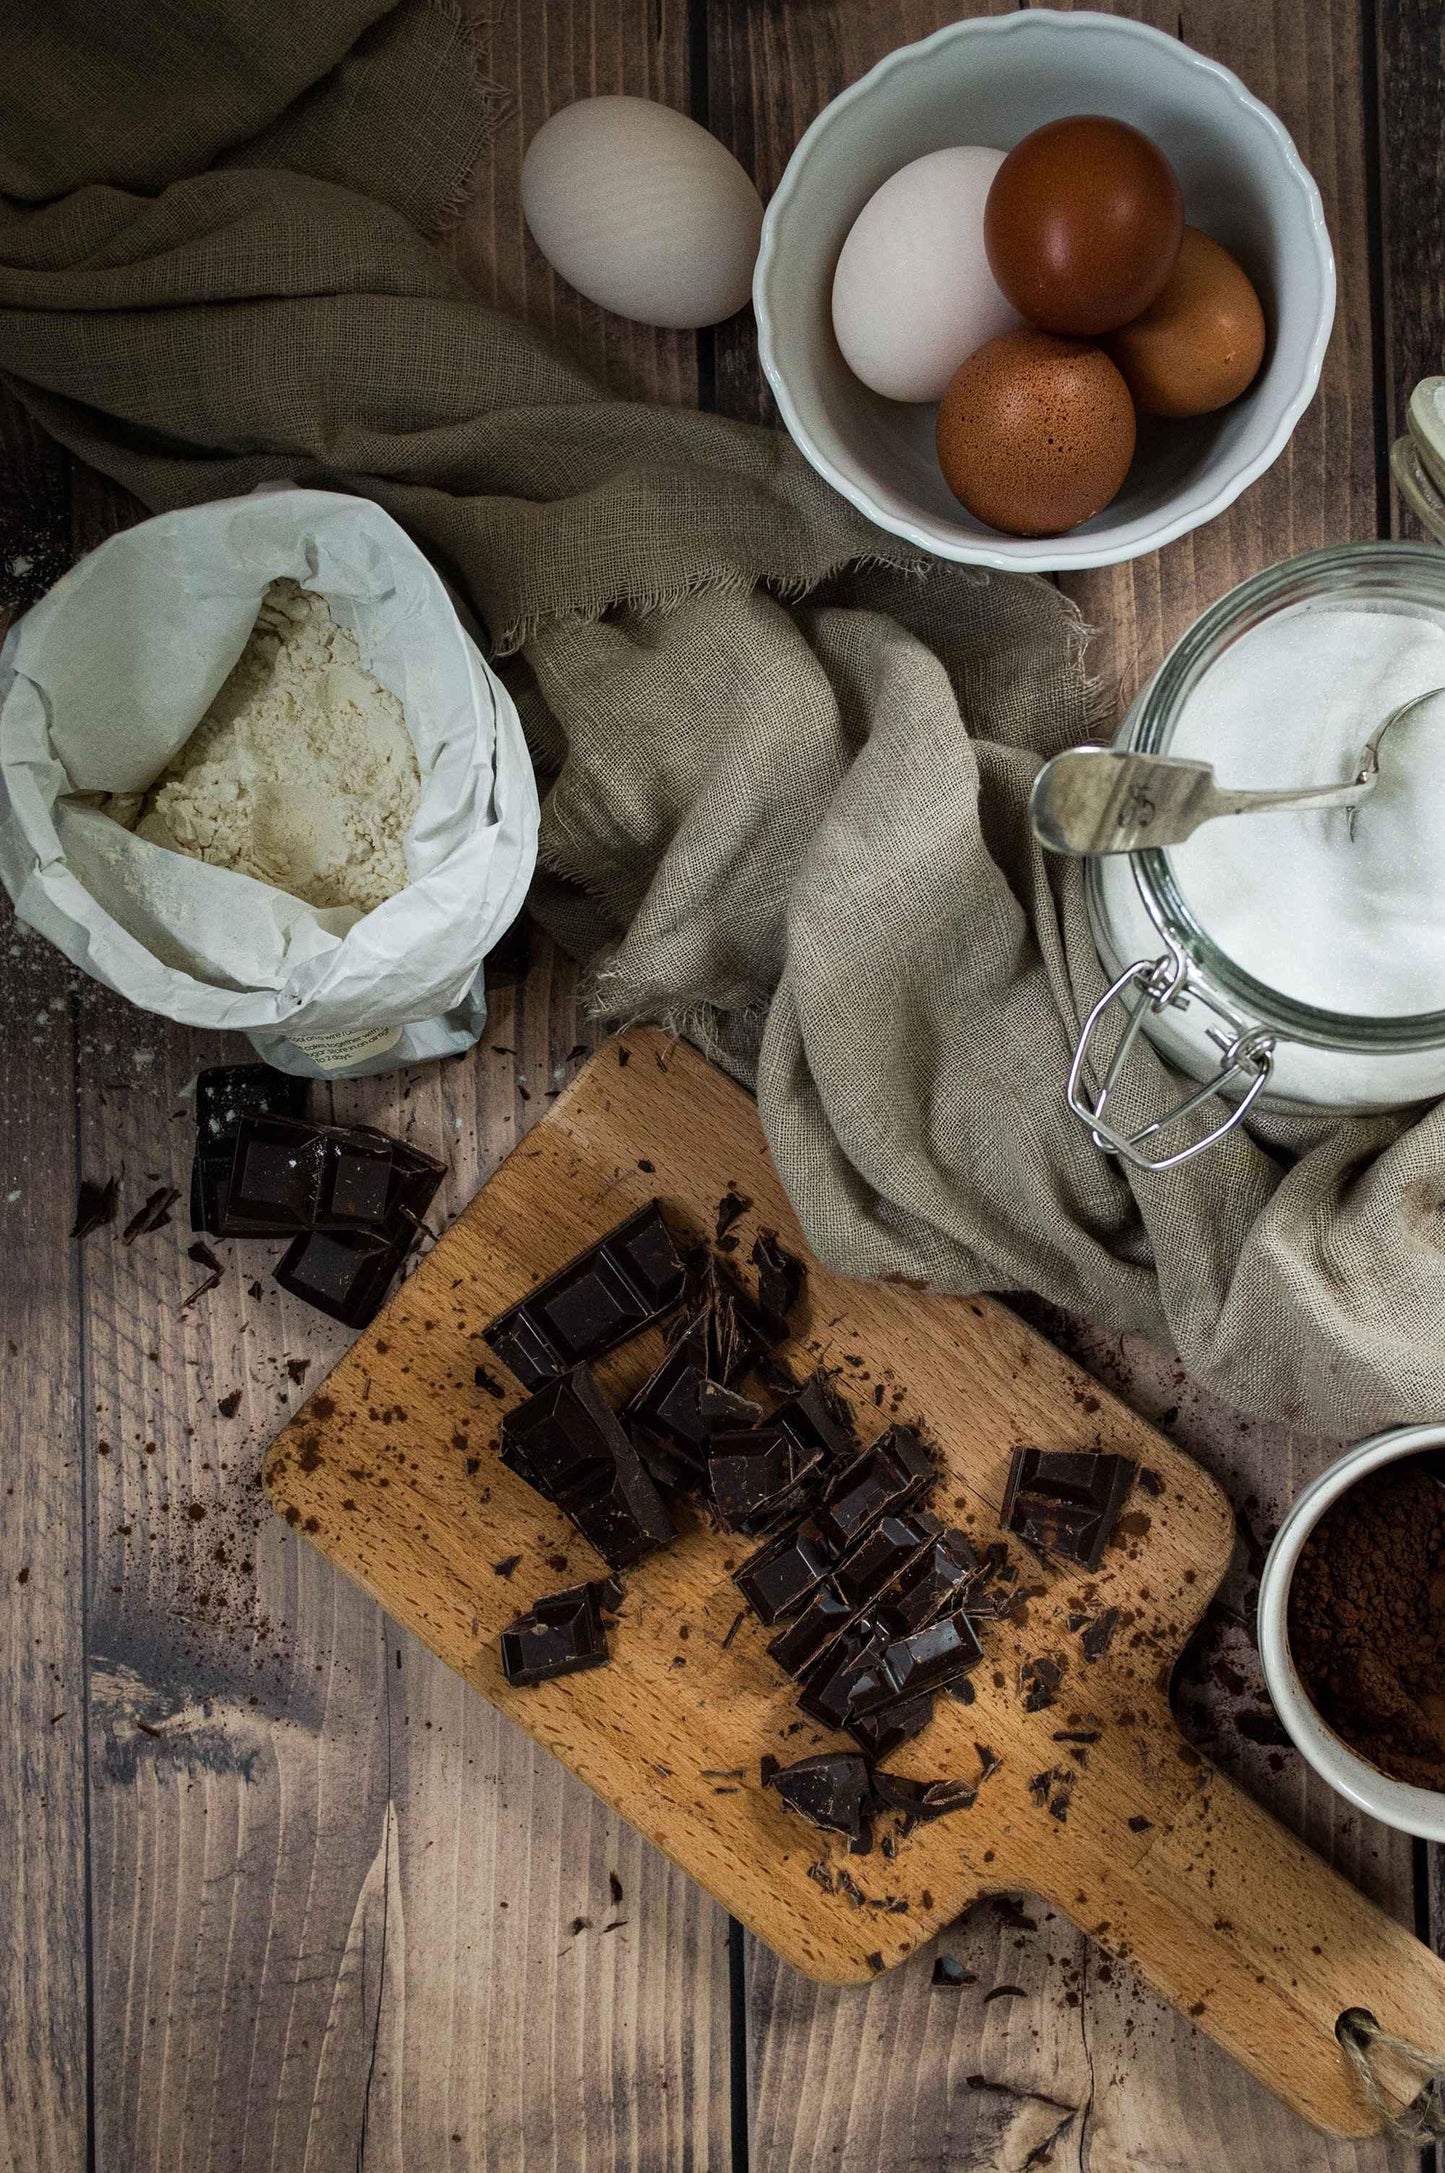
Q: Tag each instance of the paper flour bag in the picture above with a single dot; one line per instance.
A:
(102, 685)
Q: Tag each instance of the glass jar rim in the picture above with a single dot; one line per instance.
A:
(1376, 569)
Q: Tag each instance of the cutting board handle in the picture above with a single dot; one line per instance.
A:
(1251, 1934)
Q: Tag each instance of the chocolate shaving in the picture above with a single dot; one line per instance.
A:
(1099, 1635)
(95, 1205)
(780, 1275)
(154, 1215)
(205, 1258)
(730, 1208)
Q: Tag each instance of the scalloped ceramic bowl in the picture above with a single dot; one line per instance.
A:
(991, 81)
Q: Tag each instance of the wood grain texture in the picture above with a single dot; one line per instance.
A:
(393, 1471)
(1153, 2090)
(43, 1989)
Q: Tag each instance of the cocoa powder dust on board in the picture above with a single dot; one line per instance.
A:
(1367, 1619)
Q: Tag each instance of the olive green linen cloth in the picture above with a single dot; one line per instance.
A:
(786, 769)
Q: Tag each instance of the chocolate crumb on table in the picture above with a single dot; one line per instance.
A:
(95, 1205)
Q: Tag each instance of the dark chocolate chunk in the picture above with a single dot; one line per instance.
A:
(818, 1420)
(935, 1580)
(921, 1800)
(342, 1275)
(733, 1333)
(798, 1646)
(678, 1409)
(879, 1734)
(559, 1635)
(947, 1970)
(153, 1214)
(276, 1176)
(225, 1093)
(885, 1549)
(95, 1205)
(830, 1791)
(780, 1576)
(1099, 1634)
(780, 1275)
(895, 1472)
(620, 1285)
(926, 1659)
(732, 1205)
(831, 1685)
(204, 1258)
(1038, 1680)
(1066, 1502)
(565, 1442)
(755, 1478)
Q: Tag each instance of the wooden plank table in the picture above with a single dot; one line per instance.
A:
(276, 1890)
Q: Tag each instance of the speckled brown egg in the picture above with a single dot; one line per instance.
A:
(1035, 433)
(1200, 342)
(1082, 224)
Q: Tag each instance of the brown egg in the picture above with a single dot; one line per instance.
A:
(1201, 340)
(1035, 433)
(1083, 224)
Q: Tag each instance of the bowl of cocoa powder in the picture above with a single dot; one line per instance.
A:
(1352, 1627)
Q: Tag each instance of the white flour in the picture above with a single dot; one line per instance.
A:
(1352, 923)
(301, 773)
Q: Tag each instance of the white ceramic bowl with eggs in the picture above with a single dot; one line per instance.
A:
(992, 81)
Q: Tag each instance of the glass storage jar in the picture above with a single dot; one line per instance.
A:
(1242, 1038)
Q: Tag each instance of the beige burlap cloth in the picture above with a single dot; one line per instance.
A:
(785, 769)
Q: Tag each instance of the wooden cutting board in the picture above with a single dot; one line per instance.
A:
(392, 1470)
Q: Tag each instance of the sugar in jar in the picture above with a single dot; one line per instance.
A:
(1295, 957)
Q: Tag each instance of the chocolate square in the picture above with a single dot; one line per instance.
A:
(895, 1472)
(613, 1290)
(755, 1477)
(1066, 1502)
(885, 1548)
(779, 1577)
(879, 1733)
(569, 1445)
(924, 1660)
(797, 1647)
(558, 1635)
(276, 1177)
(936, 1579)
(340, 1274)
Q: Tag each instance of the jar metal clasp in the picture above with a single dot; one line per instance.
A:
(1246, 1059)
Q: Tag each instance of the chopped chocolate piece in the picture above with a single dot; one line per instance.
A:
(830, 1791)
(565, 1442)
(780, 1275)
(828, 1690)
(798, 1646)
(1139, 1824)
(921, 1800)
(879, 1734)
(754, 1477)
(620, 1285)
(779, 1577)
(1066, 1502)
(1005, 1991)
(818, 1421)
(946, 1970)
(926, 1659)
(1150, 1480)
(95, 1205)
(1099, 1634)
(204, 1258)
(558, 1635)
(734, 1334)
(154, 1214)
(340, 1274)
(895, 1472)
(276, 1175)
(884, 1550)
(729, 1208)
(1038, 1680)
(938, 1578)
(225, 1093)
(676, 1412)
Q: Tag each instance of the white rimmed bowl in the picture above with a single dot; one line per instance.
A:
(1413, 1810)
(991, 80)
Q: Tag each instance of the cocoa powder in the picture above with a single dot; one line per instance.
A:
(1367, 1619)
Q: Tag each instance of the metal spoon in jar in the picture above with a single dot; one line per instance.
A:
(1106, 800)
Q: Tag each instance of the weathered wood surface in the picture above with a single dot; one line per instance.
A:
(564, 2065)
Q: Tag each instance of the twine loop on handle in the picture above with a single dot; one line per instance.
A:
(1422, 2118)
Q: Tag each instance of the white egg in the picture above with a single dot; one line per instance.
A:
(913, 296)
(642, 211)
